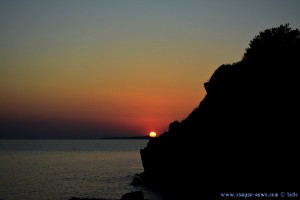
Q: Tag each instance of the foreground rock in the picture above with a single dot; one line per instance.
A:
(243, 136)
(138, 195)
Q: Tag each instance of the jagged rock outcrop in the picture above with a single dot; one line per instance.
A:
(243, 136)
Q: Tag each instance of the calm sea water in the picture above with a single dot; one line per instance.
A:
(61, 169)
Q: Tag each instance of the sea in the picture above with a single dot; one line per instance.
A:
(61, 169)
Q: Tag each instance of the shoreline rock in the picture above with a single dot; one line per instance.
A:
(138, 195)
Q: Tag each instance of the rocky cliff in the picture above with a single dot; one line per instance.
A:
(243, 136)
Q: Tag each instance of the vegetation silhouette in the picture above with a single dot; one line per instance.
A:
(243, 136)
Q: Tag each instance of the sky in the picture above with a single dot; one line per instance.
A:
(90, 69)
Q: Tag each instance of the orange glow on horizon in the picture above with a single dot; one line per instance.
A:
(152, 134)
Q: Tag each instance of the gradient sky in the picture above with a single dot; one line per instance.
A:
(73, 69)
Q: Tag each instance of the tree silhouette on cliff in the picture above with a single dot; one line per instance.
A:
(243, 136)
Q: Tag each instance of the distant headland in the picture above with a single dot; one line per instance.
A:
(125, 138)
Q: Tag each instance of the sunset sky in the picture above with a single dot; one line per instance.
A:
(88, 69)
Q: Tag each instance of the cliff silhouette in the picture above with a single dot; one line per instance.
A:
(243, 135)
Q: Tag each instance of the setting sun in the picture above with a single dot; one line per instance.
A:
(152, 134)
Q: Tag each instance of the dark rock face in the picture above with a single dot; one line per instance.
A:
(243, 136)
